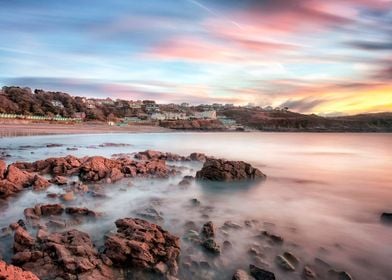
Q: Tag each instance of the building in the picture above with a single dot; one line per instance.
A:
(169, 116)
(158, 116)
(135, 104)
(150, 106)
(57, 104)
(205, 115)
(80, 115)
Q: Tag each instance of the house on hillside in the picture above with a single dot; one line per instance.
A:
(211, 115)
(57, 104)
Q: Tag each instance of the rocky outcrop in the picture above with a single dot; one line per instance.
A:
(224, 170)
(214, 125)
(96, 168)
(63, 166)
(66, 255)
(43, 210)
(155, 155)
(140, 244)
(10, 272)
(14, 180)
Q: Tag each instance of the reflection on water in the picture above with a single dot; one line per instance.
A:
(324, 194)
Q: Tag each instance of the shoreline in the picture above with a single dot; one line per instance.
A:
(36, 129)
(17, 129)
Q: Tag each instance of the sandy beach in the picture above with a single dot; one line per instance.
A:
(8, 129)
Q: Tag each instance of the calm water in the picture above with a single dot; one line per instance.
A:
(324, 194)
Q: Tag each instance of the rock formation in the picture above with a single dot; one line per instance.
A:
(140, 244)
(224, 170)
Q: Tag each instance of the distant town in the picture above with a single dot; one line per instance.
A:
(58, 106)
(23, 103)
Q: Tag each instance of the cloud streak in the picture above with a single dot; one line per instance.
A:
(316, 56)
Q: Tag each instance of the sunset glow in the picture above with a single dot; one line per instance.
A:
(325, 57)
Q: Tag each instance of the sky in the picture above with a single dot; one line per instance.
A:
(314, 56)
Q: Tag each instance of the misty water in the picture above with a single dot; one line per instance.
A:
(324, 194)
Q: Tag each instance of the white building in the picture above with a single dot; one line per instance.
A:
(57, 103)
(169, 116)
(205, 115)
(135, 104)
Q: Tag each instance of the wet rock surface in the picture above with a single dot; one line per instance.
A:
(224, 170)
(10, 272)
(261, 274)
(143, 245)
(69, 255)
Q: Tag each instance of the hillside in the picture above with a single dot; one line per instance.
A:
(290, 121)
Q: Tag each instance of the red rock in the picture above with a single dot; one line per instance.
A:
(59, 180)
(18, 177)
(115, 175)
(68, 196)
(97, 168)
(197, 157)
(51, 209)
(67, 255)
(224, 170)
(80, 211)
(40, 183)
(22, 240)
(10, 272)
(7, 188)
(143, 245)
(3, 168)
(31, 214)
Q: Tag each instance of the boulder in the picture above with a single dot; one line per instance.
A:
(7, 188)
(386, 218)
(273, 238)
(40, 183)
(241, 275)
(97, 168)
(51, 209)
(260, 274)
(77, 211)
(68, 196)
(197, 157)
(19, 177)
(290, 257)
(211, 246)
(11, 272)
(59, 180)
(224, 170)
(283, 263)
(208, 230)
(66, 255)
(149, 213)
(22, 240)
(143, 245)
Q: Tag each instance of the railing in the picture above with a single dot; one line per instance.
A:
(39, 118)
